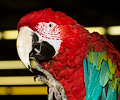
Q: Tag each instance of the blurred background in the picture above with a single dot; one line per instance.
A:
(102, 16)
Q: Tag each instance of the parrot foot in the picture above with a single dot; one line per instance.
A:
(55, 88)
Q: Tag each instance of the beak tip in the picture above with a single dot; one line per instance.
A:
(29, 67)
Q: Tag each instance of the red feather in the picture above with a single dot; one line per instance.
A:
(67, 66)
(48, 15)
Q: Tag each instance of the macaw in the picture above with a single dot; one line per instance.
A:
(76, 64)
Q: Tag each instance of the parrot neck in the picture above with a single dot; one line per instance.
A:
(67, 68)
(67, 65)
(72, 79)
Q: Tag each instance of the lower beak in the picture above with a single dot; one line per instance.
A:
(24, 45)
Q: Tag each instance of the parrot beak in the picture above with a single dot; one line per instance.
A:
(24, 45)
(31, 46)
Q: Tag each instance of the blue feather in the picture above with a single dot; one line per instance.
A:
(96, 91)
(85, 74)
(93, 84)
(103, 94)
(111, 94)
(115, 96)
(96, 77)
(91, 70)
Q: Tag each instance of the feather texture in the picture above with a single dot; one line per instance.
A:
(97, 69)
(86, 64)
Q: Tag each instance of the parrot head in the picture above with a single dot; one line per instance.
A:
(42, 34)
(39, 35)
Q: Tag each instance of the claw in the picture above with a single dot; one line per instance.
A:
(55, 87)
(36, 76)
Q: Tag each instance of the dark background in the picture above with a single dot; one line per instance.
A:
(88, 13)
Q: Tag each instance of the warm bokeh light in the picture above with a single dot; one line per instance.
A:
(113, 30)
(25, 85)
(23, 90)
(14, 64)
(0, 35)
(19, 80)
(9, 34)
(100, 30)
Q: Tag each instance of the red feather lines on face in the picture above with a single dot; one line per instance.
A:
(48, 30)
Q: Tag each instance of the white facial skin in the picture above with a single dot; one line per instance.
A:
(49, 32)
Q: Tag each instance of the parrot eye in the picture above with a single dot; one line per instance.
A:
(50, 25)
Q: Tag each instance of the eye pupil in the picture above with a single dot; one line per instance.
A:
(50, 25)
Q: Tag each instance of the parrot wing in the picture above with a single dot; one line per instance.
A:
(102, 74)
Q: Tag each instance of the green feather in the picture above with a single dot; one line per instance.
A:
(111, 66)
(103, 94)
(98, 70)
(104, 73)
(111, 94)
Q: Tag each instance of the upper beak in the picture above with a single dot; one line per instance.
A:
(24, 45)
(29, 47)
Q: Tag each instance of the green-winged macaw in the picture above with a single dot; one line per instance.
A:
(76, 65)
